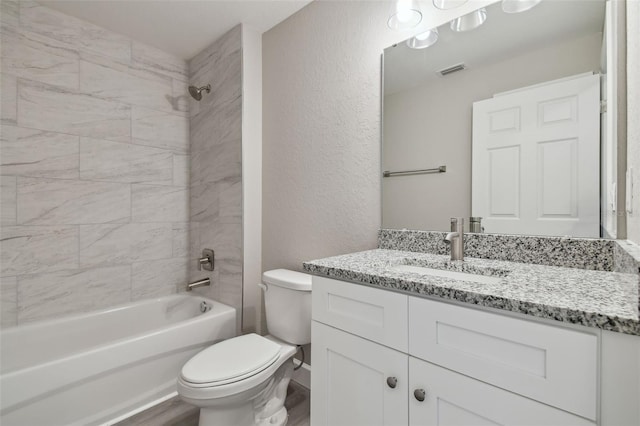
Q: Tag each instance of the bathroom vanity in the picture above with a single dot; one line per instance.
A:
(407, 338)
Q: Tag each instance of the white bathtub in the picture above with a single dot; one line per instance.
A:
(98, 367)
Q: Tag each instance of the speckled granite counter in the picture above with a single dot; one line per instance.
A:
(606, 300)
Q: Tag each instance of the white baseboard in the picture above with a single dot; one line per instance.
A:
(302, 376)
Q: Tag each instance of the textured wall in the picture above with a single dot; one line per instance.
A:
(419, 120)
(216, 167)
(320, 135)
(94, 167)
(633, 113)
(321, 128)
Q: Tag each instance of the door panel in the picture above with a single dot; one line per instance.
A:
(456, 400)
(504, 192)
(349, 381)
(558, 179)
(536, 161)
(553, 365)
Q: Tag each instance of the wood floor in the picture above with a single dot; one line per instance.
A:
(298, 405)
(174, 412)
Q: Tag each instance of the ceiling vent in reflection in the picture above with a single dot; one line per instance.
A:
(452, 69)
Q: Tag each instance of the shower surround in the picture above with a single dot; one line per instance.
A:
(216, 168)
(94, 167)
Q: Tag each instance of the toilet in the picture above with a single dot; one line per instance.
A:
(243, 381)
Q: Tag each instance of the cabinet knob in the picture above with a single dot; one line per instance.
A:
(392, 382)
(419, 394)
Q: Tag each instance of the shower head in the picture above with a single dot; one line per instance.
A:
(196, 92)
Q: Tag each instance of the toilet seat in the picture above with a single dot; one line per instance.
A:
(230, 361)
(218, 389)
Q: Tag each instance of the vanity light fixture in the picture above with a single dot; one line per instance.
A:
(470, 21)
(517, 6)
(405, 14)
(448, 4)
(423, 40)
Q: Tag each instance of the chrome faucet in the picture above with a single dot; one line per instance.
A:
(455, 238)
(200, 283)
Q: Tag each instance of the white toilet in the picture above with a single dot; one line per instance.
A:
(243, 381)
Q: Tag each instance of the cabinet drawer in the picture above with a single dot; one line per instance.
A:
(549, 364)
(377, 315)
(454, 399)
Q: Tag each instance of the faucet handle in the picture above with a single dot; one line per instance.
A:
(456, 238)
(457, 224)
(207, 260)
(203, 261)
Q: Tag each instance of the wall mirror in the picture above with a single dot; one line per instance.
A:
(505, 122)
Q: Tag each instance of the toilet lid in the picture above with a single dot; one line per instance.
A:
(231, 358)
(288, 279)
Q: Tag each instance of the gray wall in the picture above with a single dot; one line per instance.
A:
(321, 111)
(430, 125)
(94, 167)
(216, 167)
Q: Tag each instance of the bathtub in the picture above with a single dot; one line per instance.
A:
(103, 366)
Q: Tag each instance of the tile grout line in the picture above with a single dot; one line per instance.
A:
(58, 132)
(79, 92)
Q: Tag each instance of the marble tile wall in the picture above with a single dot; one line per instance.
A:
(94, 167)
(216, 167)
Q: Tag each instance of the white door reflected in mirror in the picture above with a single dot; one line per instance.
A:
(535, 159)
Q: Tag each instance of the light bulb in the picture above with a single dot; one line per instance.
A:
(405, 14)
(448, 4)
(470, 21)
(423, 40)
(517, 6)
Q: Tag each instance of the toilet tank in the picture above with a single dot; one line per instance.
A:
(287, 301)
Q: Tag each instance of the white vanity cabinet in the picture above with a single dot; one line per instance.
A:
(384, 358)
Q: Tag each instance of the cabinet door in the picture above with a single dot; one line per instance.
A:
(549, 364)
(353, 381)
(453, 399)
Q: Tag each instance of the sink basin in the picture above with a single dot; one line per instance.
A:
(454, 275)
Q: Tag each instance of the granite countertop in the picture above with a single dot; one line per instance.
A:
(606, 300)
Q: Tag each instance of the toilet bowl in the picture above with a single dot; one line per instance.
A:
(243, 380)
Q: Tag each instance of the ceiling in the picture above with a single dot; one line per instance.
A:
(502, 36)
(180, 27)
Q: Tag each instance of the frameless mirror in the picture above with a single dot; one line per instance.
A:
(503, 122)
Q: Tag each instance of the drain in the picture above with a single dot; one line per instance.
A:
(204, 307)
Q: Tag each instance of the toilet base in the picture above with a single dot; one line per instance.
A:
(260, 406)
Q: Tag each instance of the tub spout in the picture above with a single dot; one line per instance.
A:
(200, 283)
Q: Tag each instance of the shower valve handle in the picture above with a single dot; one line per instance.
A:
(207, 260)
